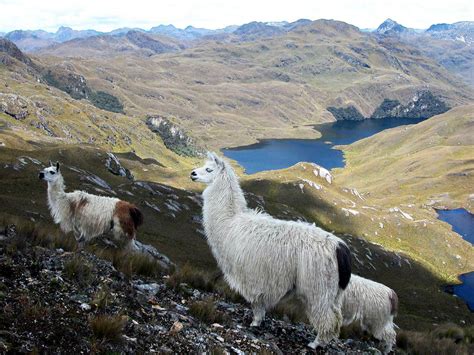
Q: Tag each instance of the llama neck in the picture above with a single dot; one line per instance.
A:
(56, 191)
(224, 198)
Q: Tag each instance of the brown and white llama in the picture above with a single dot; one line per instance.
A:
(89, 216)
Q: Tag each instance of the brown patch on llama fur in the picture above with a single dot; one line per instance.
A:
(127, 213)
(77, 206)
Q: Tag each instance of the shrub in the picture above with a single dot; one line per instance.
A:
(207, 312)
(450, 331)
(78, 269)
(102, 298)
(109, 328)
(130, 263)
(290, 308)
(193, 277)
(105, 101)
(444, 340)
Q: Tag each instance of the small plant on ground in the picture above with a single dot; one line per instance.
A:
(193, 277)
(108, 328)
(78, 269)
(207, 312)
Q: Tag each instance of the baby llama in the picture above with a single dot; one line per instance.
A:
(264, 258)
(371, 306)
(89, 216)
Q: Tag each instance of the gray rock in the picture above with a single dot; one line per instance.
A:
(14, 105)
(112, 164)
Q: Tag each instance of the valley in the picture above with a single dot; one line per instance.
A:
(365, 134)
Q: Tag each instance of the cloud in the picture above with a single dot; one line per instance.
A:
(106, 15)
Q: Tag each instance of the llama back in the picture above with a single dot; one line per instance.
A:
(369, 300)
(92, 215)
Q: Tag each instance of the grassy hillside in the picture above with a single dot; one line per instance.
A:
(265, 88)
(172, 221)
(425, 165)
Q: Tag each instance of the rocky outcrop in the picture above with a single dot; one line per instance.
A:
(65, 79)
(112, 163)
(10, 48)
(142, 40)
(349, 113)
(72, 83)
(173, 136)
(14, 105)
(68, 302)
(422, 105)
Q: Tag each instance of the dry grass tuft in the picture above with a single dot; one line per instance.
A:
(109, 328)
(130, 263)
(446, 339)
(207, 312)
(78, 269)
(193, 277)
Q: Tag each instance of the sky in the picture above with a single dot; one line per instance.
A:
(105, 15)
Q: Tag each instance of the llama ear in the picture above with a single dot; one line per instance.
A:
(216, 159)
(57, 166)
(210, 155)
(51, 163)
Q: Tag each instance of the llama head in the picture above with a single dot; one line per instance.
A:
(211, 169)
(51, 173)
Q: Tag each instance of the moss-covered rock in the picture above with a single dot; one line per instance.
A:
(173, 136)
(349, 113)
(423, 105)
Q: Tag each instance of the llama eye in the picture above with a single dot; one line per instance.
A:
(209, 170)
(52, 172)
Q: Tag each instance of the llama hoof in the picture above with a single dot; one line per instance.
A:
(255, 323)
(313, 345)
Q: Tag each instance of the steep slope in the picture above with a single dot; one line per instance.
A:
(451, 45)
(33, 113)
(173, 222)
(107, 46)
(427, 164)
(265, 88)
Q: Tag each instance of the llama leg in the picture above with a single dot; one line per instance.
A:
(388, 337)
(131, 246)
(81, 242)
(326, 321)
(258, 315)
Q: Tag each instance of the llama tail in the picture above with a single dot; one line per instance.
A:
(344, 264)
(136, 215)
(393, 303)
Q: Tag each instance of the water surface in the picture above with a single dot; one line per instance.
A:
(272, 154)
(463, 223)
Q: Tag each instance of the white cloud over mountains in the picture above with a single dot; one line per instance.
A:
(105, 15)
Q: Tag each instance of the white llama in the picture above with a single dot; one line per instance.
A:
(264, 258)
(89, 216)
(372, 306)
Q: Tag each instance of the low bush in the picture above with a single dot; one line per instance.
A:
(108, 328)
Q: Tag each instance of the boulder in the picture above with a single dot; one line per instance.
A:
(14, 105)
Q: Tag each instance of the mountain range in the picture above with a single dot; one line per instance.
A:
(157, 100)
(31, 40)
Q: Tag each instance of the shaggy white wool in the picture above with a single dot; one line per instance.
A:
(87, 216)
(263, 258)
(370, 305)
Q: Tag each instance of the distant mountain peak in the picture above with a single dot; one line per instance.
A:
(390, 26)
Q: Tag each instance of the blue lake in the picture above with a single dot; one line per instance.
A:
(272, 154)
(463, 223)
